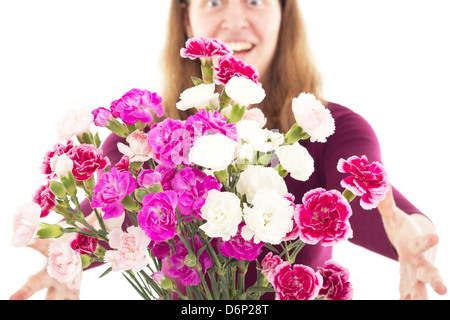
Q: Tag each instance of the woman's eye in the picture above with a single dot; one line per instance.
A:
(254, 2)
(213, 3)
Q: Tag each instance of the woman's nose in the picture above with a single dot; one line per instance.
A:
(235, 16)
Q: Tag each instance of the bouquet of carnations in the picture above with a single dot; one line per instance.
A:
(191, 203)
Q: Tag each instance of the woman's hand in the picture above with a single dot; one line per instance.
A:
(41, 281)
(415, 239)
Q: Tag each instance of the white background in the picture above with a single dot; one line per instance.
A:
(387, 60)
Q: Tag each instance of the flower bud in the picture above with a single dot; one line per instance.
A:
(190, 260)
(295, 134)
(58, 189)
(69, 184)
(85, 261)
(50, 231)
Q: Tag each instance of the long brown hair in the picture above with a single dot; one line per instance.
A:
(292, 70)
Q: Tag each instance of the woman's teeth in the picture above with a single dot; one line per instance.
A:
(240, 46)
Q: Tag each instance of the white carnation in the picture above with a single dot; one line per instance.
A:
(257, 115)
(215, 152)
(199, 97)
(244, 91)
(61, 165)
(251, 132)
(254, 178)
(223, 214)
(270, 218)
(296, 160)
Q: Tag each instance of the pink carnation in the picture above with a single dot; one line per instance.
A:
(84, 244)
(239, 248)
(112, 187)
(179, 266)
(136, 105)
(170, 143)
(160, 249)
(58, 150)
(209, 122)
(158, 217)
(192, 186)
(269, 263)
(324, 216)
(296, 282)
(336, 284)
(204, 48)
(149, 177)
(45, 198)
(230, 66)
(87, 159)
(124, 163)
(369, 181)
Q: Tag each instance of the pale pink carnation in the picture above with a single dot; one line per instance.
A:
(336, 284)
(296, 282)
(131, 249)
(324, 216)
(367, 180)
(138, 148)
(64, 263)
(26, 224)
(204, 48)
(230, 66)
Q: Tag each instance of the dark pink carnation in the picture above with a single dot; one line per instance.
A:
(112, 187)
(58, 150)
(136, 105)
(87, 159)
(124, 163)
(336, 284)
(229, 67)
(192, 186)
(296, 282)
(158, 217)
(204, 48)
(45, 198)
(209, 122)
(179, 266)
(84, 244)
(170, 142)
(324, 216)
(160, 250)
(101, 116)
(369, 181)
(239, 248)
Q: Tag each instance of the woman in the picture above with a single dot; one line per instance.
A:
(269, 34)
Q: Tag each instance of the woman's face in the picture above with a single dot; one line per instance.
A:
(249, 27)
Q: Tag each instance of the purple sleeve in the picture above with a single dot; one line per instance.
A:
(355, 136)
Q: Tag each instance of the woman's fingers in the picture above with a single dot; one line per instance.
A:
(421, 244)
(41, 245)
(34, 283)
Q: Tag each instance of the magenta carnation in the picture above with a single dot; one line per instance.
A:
(84, 244)
(324, 216)
(111, 189)
(170, 143)
(192, 186)
(296, 282)
(148, 177)
(160, 249)
(45, 198)
(87, 159)
(209, 122)
(336, 284)
(239, 248)
(58, 150)
(180, 267)
(204, 48)
(158, 217)
(369, 181)
(101, 116)
(229, 67)
(136, 105)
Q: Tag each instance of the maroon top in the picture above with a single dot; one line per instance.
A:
(353, 137)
